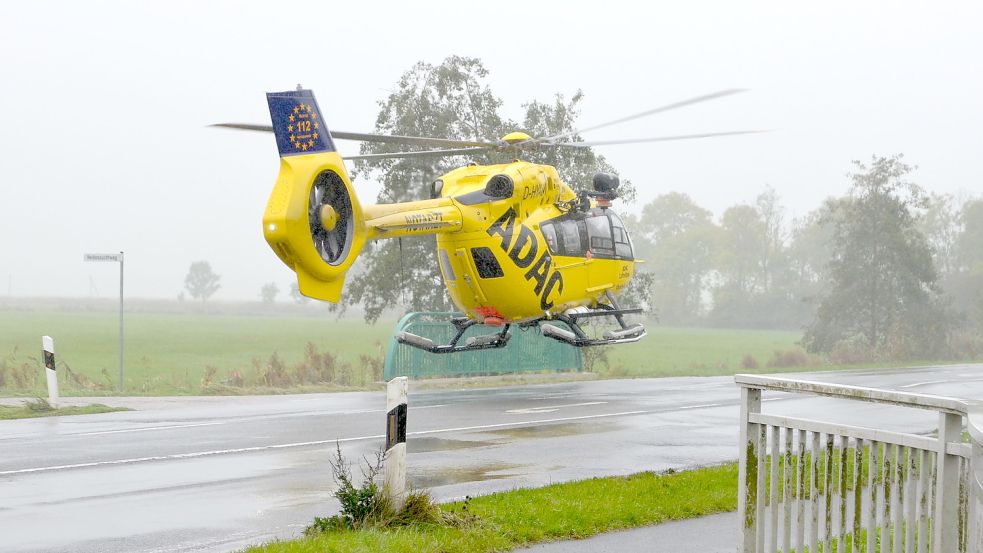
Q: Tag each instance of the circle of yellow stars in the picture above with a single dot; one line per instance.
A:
(309, 123)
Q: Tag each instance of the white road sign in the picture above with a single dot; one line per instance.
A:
(103, 257)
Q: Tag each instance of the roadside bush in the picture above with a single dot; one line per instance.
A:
(16, 374)
(362, 504)
(80, 381)
(789, 358)
(852, 350)
(274, 373)
(967, 345)
(371, 367)
(38, 405)
(317, 367)
(235, 379)
(748, 362)
(208, 378)
(365, 505)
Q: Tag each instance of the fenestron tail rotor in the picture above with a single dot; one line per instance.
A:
(444, 147)
(330, 217)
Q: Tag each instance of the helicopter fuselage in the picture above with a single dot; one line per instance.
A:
(508, 261)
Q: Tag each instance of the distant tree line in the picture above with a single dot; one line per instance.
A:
(886, 271)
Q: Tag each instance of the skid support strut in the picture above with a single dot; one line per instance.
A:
(461, 324)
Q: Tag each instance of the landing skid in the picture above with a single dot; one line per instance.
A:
(462, 324)
(576, 335)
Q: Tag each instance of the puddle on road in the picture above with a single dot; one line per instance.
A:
(556, 430)
(431, 478)
(426, 445)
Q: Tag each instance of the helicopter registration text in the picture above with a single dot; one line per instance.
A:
(418, 218)
(525, 252)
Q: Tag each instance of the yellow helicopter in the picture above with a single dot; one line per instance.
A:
(516, 245)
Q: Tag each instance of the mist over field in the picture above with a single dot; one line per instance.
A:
(106, 146)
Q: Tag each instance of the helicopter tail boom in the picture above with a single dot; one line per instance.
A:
(412, 218)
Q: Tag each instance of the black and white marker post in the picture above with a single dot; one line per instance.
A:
(395, 463)
(48, 345)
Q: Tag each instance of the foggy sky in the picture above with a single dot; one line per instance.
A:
(105, 105)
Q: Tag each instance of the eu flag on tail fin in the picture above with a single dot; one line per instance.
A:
(297, 123)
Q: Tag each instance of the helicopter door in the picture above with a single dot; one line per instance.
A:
(566, 237)
(608, 241)
(471, 286)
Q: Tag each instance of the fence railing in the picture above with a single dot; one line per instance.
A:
(820, 486)
(975, 427)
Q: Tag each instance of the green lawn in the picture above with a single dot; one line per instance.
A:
(572, 510)
(168, 353)
(698, 351)
(193, 353)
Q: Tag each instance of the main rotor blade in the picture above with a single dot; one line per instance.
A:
(370, 137)
(244, 127)
(422, 153)
(661, 109)
(590, 143)
(410, 140)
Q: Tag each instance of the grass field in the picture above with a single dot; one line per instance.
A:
(699, 351)
(169, 353)
(573, 510)
(192, 353)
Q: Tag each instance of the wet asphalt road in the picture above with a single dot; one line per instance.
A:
(218, 474)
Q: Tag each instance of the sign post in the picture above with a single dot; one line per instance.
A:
(116, 257)
(48, 354)
(395, 460)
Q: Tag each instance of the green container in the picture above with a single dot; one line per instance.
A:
(527, 351)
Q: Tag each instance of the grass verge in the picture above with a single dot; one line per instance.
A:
(572, 510)
(182, 353)
(41, 408)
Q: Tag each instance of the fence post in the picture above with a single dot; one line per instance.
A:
(747, 478)
(946, 522)
(395, 462)
(975, 514)
(49, 369)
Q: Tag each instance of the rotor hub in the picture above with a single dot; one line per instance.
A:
(329, 217)
(516, 137)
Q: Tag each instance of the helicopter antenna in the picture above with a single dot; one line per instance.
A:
(402, 277)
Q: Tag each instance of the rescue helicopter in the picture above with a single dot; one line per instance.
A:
(516, 245)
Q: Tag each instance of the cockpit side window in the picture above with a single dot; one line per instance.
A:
(570, 238)
(622, 242)
(549, 233)
(601, 240)
(564, 237)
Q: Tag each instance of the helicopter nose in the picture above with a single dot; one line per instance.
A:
(329, 217)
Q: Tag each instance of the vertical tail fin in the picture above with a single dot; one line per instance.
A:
(313, 219)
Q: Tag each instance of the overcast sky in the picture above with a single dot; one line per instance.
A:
(105, 105)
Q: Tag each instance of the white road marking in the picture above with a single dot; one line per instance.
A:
(550, 409)
(703, 406)
(198, 454)
(146, 428)
(924, 383)
(227, 421)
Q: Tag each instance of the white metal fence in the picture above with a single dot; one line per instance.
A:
(819, 486)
